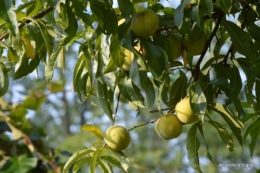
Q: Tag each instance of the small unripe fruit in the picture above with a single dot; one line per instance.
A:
(117, 138)
(184, 112)
(145, 23)
(168, 126)
(194, 47)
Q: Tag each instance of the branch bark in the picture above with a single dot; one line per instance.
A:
(197, 67)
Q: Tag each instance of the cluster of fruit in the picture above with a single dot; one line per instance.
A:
(146, 23)
(168, 126)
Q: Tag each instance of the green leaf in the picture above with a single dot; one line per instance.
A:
(16, 133)
(91, 128)
(257, 90)
(235, 81)
(223, 133)
(116, 51)
(102, 94)
(126, 8)
(253, 30)
(4, 81)
(104, 15)
(234, 123)
(156, 57)
(34, 8)
(178, 90)
(207, 6)
(71, 26)
(252, 127)
(112, 160)
(221, 42)
(93, 160)
(21, 164)
(123, 159)
(75, 157)
(78, 69)
(225, 5)
(240, 39)
(49, 69)
(9, 16)
(203, 137)
(254, 137)
(179, 14)
(48, 40)
(106, 167)
(198, 100)
(80, 163)
(192, 146)
(79, 8)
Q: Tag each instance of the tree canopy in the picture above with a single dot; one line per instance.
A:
(217, 69)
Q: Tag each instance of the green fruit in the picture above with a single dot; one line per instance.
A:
(194, 47)
(145, 23)
(117, 138)
(184, 112)
(176, 45)
(168, 126)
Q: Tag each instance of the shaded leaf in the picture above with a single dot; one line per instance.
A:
(223, 133)
(225, 5)
(102, 95)
(192, 146)
(234, 123)
(9, 16)
(4, 81)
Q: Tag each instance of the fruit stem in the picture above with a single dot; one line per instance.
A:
(197, 67)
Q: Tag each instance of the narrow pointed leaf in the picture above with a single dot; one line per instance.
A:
(93, 129)
(4, 81)
(93, 160)
(192, 146)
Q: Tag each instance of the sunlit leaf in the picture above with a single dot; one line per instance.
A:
(75, 157)
(198, 100)
(105, 166)
(93, 160)
(93, 129)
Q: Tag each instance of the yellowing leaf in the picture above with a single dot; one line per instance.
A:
(91, 128)
(29, 49)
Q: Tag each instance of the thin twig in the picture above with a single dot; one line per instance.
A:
(164, 109)
(116, 109)
(148, 122)
(197, 67)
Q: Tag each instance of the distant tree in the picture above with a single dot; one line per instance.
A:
(206, 52)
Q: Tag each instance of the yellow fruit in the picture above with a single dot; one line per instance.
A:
(168, 126)
(196, 47)
(184, 112)
(176, 45)
(117, 138)
(145, 23)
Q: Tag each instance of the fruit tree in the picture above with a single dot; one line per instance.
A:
(192, 63)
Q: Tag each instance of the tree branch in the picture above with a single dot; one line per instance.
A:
(197, 67)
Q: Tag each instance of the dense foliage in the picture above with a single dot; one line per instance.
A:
(222, 81)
